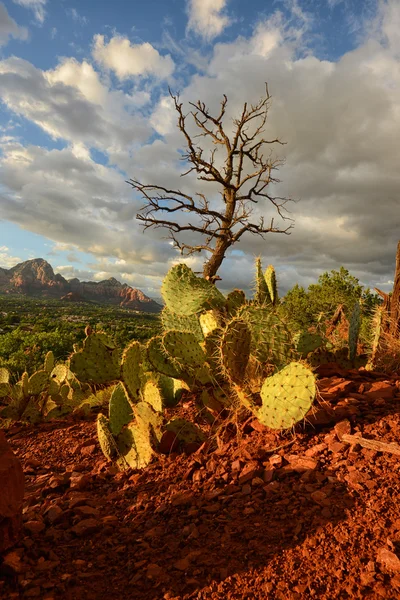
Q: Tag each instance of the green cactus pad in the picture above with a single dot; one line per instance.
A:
(235, 350)
(148, 420)
(106, 439)
(59, 372)
(31, 413)
(38, 382)
(49, 362)
(184, 349)
(305, 342)
(134, 448)
(270, 338)
(287, 396)
(97, 361)
(54, 387)
(131, 369)
(208, 322)
(354, 330)
(120, 410)
(160, 360)
(25, 384)
(171, 320)
(185, 431)
(270, 280)
(234, 301)
(261, 295)
(152, 395)
(5, 388)
(4, 375)
(186, 294)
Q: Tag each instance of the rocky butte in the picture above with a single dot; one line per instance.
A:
(36, 278)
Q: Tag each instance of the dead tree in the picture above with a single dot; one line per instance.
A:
(243, 180)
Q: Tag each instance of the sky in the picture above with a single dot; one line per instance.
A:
(84, 106)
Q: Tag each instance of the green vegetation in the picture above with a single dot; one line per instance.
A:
(29, 328)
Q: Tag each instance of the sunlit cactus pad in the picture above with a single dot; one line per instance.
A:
(287, 396)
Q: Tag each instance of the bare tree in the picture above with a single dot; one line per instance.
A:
(243, 179)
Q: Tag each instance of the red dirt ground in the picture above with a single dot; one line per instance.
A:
(316, 518)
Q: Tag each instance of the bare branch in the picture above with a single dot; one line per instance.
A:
(244, 180)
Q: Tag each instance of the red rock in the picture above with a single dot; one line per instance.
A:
(34, 527)
(183, 564)
(342, 428)
(86, 527)
(79, 481)
(248, 473)
(381, 389)
(54, 514)
(12, 484)
(388, 559)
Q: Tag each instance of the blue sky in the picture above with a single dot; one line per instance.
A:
(84, 104)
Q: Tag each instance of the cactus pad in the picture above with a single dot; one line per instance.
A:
(270, 280)
(49, 362)
(171, 320)
(131, 369)
(186, 294)
(184, 349)
(106, 439)
(120, 410)
(235, 350)
(160, 360)
(262, 295)
(38, 382)
(287, 396)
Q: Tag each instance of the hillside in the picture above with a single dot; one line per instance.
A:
(36, 277)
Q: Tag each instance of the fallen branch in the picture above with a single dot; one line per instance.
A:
(372, 444)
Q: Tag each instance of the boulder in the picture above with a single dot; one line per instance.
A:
(11, 495)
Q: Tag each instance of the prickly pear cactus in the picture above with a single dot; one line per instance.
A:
(160, 360)
(262, 296)
(270, 280)
(234, 301)
(235, 350)
(208, 323)
(49, 362)
(97, 362)
(5, 387)
(171, 320)
(185, 294)
(305, 342)
(106, 439)
(185, 431)
(120, 410)
(131, 369)
(270, 338)
(184, 349)
(287, 396)
(38, 382)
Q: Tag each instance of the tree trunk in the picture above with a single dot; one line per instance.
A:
(394, 304)
(213, 264)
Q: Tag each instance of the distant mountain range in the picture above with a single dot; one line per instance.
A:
(37, 278)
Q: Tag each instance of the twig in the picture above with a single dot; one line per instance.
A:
(372, 444)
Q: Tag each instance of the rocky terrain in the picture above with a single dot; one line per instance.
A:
(253, 514)
(37, 278)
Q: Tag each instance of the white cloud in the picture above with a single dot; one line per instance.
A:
(9, 28)
(70, 102)
(207, 18)
(341, 122)
(36, 5)
(131, 60)
(6, 259)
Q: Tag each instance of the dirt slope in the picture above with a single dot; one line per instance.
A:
(316, 518)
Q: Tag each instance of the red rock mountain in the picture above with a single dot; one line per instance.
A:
(37, 278)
